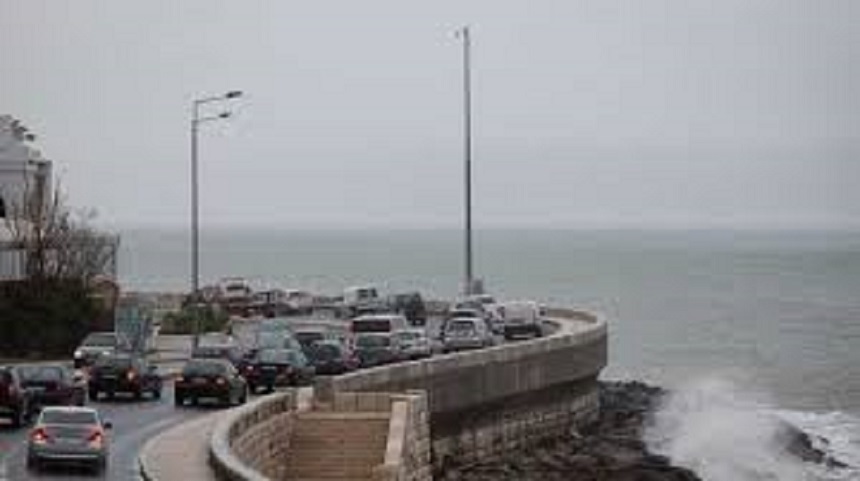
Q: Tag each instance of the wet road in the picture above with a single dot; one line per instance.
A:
(134, 422)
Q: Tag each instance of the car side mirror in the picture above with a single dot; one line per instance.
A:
(107, 425)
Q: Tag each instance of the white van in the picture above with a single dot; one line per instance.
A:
(520, 318)
(361, 299)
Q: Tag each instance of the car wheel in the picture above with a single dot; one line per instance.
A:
(244, 398)
(138, 394)
(33, 463)
(93, 394)
(178, 401)
(156, 394)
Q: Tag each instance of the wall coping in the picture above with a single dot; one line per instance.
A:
(226, 464)
(576, 328)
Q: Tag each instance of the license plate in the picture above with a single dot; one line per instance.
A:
(199, 380)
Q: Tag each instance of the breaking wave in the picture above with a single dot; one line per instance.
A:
(724, 434)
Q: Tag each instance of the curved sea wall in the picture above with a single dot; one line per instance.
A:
(475, 405)
(485, 402)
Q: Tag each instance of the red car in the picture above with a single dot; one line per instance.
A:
(53, 385)
(15, 401)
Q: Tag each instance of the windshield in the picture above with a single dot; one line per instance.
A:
(113, 361)
(326, 352)
(461, 326)
(100, 339)
(409, 336)
(276, 356)
(373, 341)
(204, 368)
(41, 373)
(69, 417)
(309, 336)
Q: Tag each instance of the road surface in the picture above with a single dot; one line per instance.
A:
(134, 422)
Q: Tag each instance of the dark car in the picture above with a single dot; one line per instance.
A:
(376, 348)
(53, 385)
(125, 373)
(98, 344)
(331, 357)
(412, 306)
(210, 379)
(15, 401)
(228, 351)
(307, 337)
(278, 367)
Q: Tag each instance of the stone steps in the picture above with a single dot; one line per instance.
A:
(337, 446)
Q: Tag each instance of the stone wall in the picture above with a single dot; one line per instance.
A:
(460, 407)
(483, 403)
(251, 442)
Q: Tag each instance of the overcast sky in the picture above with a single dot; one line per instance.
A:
(607, 113)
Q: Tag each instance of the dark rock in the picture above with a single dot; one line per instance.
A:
(611, 449)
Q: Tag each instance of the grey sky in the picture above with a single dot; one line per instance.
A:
(731, 113)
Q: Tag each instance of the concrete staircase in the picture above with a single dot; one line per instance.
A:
(343, 446)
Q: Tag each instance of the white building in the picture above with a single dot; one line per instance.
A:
(22, 169)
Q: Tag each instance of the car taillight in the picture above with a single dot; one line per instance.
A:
(220, 381)
(131, 375)
(96, 438)
(40, 436)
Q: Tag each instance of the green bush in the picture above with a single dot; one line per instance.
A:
(182, 322)
(44, 318)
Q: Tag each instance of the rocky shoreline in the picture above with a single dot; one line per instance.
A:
(613, 449)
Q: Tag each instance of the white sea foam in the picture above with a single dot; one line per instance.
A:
(724, 434)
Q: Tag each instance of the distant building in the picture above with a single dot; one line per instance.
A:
(23, 170)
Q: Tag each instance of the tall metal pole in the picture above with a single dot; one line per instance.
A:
(195, 225)
(467, 137)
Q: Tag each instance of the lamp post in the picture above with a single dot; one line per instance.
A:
(463, 34)
(196, 120)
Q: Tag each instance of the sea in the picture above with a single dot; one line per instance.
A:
(746, 328)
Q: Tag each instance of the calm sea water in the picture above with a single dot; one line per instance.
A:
(773, 315)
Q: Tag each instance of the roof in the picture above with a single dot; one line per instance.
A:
(69, 409)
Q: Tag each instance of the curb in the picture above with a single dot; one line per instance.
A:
(147, 467)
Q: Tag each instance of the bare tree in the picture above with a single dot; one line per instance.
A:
(56, 242)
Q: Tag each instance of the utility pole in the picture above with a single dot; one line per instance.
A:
(463, 34)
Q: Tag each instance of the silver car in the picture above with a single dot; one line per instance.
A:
(466, 333)
(414, 343)
(68, 435)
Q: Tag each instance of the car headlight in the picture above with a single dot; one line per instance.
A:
(78, 354)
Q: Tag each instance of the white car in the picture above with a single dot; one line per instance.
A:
(520, 318)
(463, 333)
(414, 343)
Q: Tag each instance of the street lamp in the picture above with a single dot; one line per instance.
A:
(196, 120)
(463, 34)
